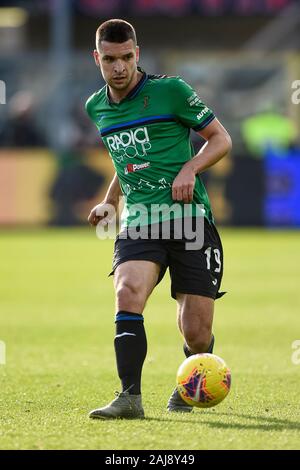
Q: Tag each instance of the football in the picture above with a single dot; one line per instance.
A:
(203, 380)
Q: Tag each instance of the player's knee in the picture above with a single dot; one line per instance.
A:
(129, 294)
(198, 341)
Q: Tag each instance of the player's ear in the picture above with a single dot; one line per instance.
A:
(137, 52)
(96, 57)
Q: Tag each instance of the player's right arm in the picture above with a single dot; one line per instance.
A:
(112, 198)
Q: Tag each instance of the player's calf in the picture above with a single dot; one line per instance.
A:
(176, 403)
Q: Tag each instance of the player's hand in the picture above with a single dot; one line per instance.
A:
(103, 213)
(183, 185)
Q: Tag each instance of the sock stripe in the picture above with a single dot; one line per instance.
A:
(128, 316)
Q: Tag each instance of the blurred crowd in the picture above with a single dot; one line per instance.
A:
(22, 128)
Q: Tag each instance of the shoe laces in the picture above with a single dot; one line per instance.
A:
(119, 394)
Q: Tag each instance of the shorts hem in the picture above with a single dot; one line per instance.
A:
(121, 261)
(193, 292)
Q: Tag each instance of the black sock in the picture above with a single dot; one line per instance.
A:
(131, 349)
(189, 353)
(211, 346)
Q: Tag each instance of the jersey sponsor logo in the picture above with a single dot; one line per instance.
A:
(129, 144)
(132, 167)
(203, 112)
(194, 100)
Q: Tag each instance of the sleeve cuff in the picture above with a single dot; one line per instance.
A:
(204, 123)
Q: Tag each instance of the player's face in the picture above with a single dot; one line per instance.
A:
(118, 63)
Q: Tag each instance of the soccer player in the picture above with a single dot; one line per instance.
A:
(145, 121)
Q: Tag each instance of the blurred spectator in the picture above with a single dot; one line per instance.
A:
(76, 183)
(85, 134)
(77, 130)
(20, 128)
(268, 130)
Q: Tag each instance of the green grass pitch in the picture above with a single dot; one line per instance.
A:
(57, 310)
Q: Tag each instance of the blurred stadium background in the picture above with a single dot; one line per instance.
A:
(57, 304)
(242, 56)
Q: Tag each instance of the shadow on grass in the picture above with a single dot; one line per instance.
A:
(260, 423)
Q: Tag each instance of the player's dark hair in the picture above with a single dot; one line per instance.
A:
(115, 31)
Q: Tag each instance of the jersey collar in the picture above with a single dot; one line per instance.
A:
(134, 92)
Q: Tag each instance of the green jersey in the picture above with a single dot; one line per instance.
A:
(147, 136)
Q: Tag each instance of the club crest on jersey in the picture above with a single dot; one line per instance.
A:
(146, 101)
(132, 167)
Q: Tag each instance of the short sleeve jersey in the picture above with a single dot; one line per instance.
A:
(147, 136)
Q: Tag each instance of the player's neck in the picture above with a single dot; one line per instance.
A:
(117, 95)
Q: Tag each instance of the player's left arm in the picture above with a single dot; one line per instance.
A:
(218, 144)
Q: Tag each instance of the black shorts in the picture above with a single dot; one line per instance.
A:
(196, 272)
